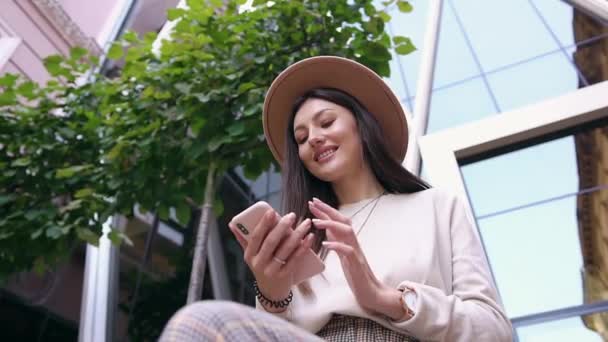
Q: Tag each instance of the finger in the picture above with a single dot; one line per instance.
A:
(293, 240)
(288, 247)
(292, 263)
(330, 211)
(241, 240)
(317, 212)
(340, 248)
(338, 229)
(259, 233)
(274, 238)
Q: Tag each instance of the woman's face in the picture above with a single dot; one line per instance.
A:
(328, 140)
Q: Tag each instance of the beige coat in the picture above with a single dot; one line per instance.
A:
(426, 241)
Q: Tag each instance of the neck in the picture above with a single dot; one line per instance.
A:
(357, 187)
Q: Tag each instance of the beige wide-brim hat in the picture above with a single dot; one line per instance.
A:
(340, 73)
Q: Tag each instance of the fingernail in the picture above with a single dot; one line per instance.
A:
(316, 199)
(316, 221)
(325, 243)
(291, 217)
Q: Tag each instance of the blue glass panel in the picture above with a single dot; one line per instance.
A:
(395, 81)
(521, 177)
(536, 256)
(571, 329)
(558, 16)
(454, 59)
(533, 81)
(411, 25)
(455, 105)
(503, 32)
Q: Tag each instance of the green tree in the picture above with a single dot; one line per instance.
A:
(164, 131)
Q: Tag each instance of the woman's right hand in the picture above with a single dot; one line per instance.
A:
(273, 240)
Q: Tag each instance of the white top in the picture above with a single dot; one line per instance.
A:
(423, 240)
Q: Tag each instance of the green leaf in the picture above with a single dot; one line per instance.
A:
(197, 124)
(88, 236)
(115, 151)
(26, 89)
(117, 237)
(53, 64)
(115, 51)
(70, 171)
(130, 36)
(71, 206)
(4, 199)
(384, 16)
(245, 87)
(8, 80)
(39, 266)
(217, 142)
(77, 52)
(405, 48)
(54, 232)
(404, 6)
(163, 212)
(36, 233)
(237, 128)
(175, 13)
(183, 87)
(183, 213)
(21, 162)
(84, 192)
(8, 98)
(400, 39)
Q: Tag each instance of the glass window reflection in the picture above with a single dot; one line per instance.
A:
(533, 81)
(521, 177)
(536, 256)
(462, 103)
(454, 59)
(495, 38)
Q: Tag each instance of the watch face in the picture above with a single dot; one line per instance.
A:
(410, 298)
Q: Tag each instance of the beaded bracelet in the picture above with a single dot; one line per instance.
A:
(272, 303)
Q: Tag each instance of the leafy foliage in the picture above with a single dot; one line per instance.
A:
(74, 153)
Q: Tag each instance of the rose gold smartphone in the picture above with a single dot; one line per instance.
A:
(309, 264)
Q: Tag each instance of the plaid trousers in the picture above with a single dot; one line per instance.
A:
(229, 321)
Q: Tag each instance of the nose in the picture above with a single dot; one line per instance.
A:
(316, 139)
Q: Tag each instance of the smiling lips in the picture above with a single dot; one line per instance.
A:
(325, 154)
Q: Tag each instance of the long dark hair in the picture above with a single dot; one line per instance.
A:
(300, 185)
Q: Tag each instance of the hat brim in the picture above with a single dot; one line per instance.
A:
(340, 73)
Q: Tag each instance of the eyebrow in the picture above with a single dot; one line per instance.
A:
(314, 117)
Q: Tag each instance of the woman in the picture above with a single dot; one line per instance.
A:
(402, 260)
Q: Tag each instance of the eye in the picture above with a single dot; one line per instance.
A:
(327, 123)
(301, 140)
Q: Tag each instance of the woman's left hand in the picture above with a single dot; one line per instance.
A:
(341, 238)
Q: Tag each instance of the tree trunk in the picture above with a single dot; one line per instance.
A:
(199, 260)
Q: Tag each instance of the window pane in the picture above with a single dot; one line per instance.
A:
(521, 177)
(455, 105)
(454, 59)
(533, 81)
(536, 254)
(496, 39)
(571, 329)
(537, 173)
(558, 16)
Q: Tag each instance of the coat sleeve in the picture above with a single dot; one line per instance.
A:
(472, 311)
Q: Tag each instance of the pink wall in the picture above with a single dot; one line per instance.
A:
(94, 17)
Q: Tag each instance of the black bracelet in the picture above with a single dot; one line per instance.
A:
(272, 303)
